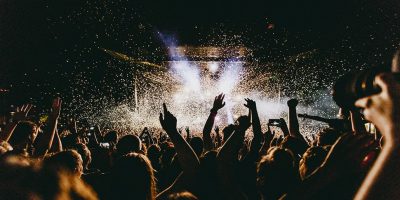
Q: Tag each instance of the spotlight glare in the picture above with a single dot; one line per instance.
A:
(213, 67)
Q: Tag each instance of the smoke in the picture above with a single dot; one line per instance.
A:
(191, 89)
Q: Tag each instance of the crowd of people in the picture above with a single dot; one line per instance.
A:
(38, 162)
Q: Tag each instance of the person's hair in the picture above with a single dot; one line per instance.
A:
(111, 137)
(59, 184)
(69, 160)
(128, 144)
(154, 153)
(23, 134)
(182, 196)
(133, 178)
(85, 153)
(168, 152)
(197, 145)
(276, 173)
(312, 160)
(327, 136)
(143, 148)
(297, 146)
(5, 147)
(22, 178)
(244, 150)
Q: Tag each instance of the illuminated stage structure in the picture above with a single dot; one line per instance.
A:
(191, 78)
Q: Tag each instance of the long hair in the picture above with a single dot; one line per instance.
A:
(133, 177)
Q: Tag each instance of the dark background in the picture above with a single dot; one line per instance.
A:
(47, 47)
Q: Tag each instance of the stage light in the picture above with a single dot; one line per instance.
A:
(213, 67)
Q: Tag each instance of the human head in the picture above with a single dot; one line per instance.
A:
(111, 137)
(327, 136)
(133, 177)
(85, 153)
(197, 144)
(128, 144)
(297, 146)
(24, 134)
(59, 184)
(311, 160)
(69, 160)
(22, 178)
(276, 173)
(168, 152)
(154, 153)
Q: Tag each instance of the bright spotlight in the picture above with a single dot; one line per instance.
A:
(213, 67)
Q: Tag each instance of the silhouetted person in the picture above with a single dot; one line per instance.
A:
(132, 177)
(128, 144)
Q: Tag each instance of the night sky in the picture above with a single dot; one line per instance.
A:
(45, 46)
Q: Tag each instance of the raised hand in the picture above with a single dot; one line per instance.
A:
(218, 102)
(292, 103)
(56, 108)
(382, 109)
(186, 156)
(257, 141)
(45, 142)
(168, 120)
(22, 112)
(250, 104)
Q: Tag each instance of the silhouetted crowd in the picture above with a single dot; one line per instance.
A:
(240, 161)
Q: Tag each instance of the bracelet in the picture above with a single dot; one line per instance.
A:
(214, 111)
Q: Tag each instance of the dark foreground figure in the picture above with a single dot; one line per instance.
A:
(239, 161)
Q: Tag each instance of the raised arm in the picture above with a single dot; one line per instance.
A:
(284, 127)
(20, 115)
(186, 156)
(256, 143)
(294, 128)
(383, 180)
(218, 104)
(228, 157)
(56, 144)
(45, 142)
(229, 152)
